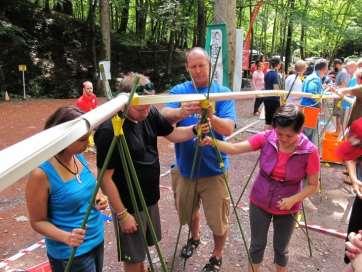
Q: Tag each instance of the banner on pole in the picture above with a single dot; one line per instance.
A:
(217, 37)
(107, 69)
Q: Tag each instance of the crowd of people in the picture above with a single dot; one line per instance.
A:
(59, 190)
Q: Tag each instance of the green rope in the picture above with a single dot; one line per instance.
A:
(143, 202)
(221, 165)
(247, 182)
(307, 232)
(196, 161)
(126, 170)
(175, 250)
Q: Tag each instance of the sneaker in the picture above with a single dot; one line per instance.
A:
(213, 265)
(188, 250)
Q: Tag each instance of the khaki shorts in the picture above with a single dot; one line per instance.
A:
(211, 191)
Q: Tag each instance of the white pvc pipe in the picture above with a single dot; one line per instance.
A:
(19, 159)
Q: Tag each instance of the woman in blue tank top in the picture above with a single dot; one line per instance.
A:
(57, 195)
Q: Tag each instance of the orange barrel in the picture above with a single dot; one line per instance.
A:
(310, 116)
(330, 143)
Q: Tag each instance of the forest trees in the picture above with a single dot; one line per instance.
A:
(289, 28)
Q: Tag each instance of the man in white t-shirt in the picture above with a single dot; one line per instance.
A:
(294, 82)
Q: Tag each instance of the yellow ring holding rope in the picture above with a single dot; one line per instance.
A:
(117, 123)
(135, 99)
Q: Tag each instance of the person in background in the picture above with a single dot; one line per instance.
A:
(142, 126)
(258, 84)
(351, 68)
(350, 151)
(57, 195)
(286, 158)
(342, 79)
(313, 84)
(294, 82)
(357, 107)
(272, 81)
(86, 103)
(88, 100)
(208, 181)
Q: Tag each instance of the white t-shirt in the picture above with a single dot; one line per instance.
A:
(297, 87)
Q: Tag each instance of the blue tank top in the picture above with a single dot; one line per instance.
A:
(67, 204)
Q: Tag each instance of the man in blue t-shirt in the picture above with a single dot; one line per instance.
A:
(206, 184)
(272, 81)
(313, 84)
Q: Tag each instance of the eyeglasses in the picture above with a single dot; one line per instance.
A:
(146, 89)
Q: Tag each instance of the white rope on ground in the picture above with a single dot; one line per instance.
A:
(21, 253)
(19, 159)
(244, 128)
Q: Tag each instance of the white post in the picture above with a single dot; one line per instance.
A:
(24, 84)
(238, 73)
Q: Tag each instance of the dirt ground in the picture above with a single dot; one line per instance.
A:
(21, 119)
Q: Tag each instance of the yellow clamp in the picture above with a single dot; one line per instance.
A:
(135, 99)
(117, 123)
(283, 99)
(317, 97)
(205, 104)
(213, 142)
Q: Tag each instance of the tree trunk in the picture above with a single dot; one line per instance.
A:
(288, 49)
(91, 20)
(111, 16)
(105, 29)
(201, 23)
(303, 31)
(46, 6)
(106, 37)
(283, 30)
(141, 16)
(251, 33)
(225, 12)
(264, 29)
(171, 48)
(274, 29)
(81, 10)
(67, 7)
(124, 17)
(240, 15)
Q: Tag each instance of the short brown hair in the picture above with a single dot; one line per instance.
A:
(125, 86)
(62, 115)
(288, 116)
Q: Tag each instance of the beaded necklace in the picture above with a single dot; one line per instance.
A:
(76, 173)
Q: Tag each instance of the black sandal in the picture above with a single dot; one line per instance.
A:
(188, 249)
(213, 265)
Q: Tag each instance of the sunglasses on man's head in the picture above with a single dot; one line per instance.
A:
(145, 89)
